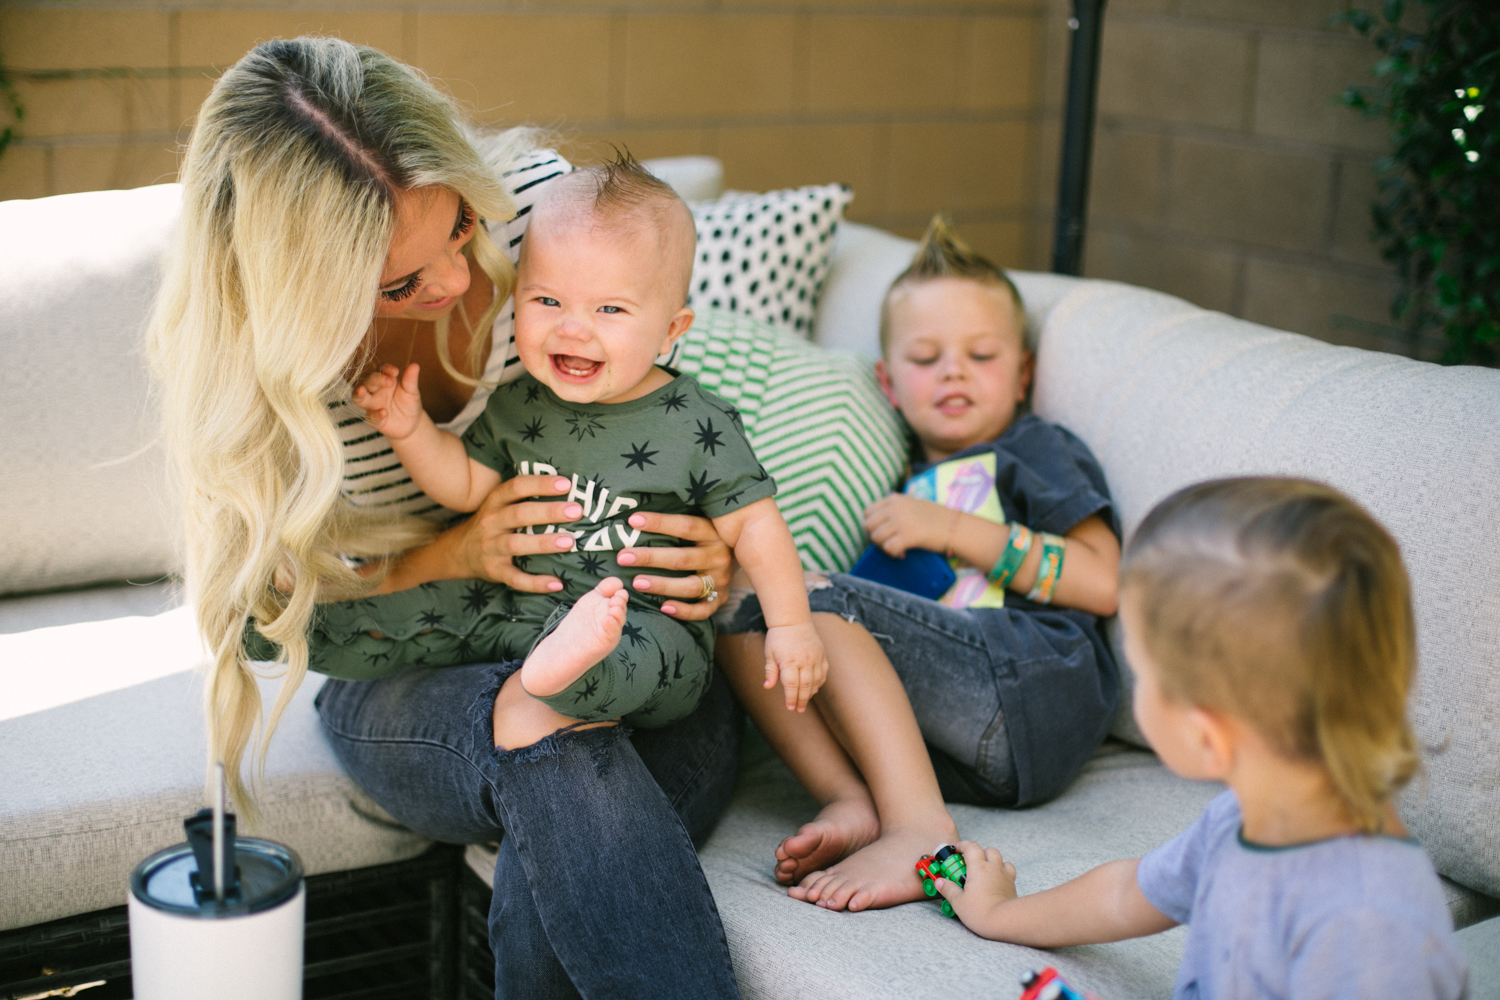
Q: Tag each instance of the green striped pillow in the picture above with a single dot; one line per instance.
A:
(818, 423)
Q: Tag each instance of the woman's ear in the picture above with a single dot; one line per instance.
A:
(883, 376)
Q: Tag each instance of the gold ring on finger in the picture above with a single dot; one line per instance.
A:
(706, 590)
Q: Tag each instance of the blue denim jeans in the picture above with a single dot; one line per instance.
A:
(598, 891)
(943, 661)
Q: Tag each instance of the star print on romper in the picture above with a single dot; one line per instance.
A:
(431, 619)
(476, 596)
(592, 563)
(590, 688)
(673, 401)
(666, 671)
(633, 633)
(709, 439)
(639, 456)
(533, 392)
(698, 488)
(533, 430)
(581, 424)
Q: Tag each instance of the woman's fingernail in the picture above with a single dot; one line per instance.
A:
(565, 541)
(669, 609)
(560, 484)
(572, 510)
(641, 583)
(554, 586)
(637, 521)
(625, 558)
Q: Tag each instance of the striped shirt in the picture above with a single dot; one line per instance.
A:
(373, 476)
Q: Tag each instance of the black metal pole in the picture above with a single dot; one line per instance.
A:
(1086, 25)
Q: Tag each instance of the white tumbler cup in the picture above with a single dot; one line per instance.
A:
(187, 942)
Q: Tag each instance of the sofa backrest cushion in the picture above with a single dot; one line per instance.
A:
(82, 493)
(1167, 394)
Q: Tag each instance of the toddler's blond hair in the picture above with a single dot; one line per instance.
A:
(1283, 603)
(942, 254)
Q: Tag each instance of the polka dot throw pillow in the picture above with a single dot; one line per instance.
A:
(766, 255)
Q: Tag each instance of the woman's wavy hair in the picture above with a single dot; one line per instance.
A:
(943, 254)
(289, 186)
(1283, 603)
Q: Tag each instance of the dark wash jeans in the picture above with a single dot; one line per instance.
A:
(598, 891)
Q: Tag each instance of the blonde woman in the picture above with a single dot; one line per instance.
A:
(336, 217)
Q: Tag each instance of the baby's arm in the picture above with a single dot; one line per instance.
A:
(1090, 577)
(435, 459)
(763, 545)
(1104, 904)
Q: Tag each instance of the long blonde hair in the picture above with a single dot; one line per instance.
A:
(1282, 602)
(288, 211)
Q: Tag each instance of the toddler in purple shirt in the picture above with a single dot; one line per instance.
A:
(1269, 626)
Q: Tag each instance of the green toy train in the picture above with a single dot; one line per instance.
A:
(945, 862)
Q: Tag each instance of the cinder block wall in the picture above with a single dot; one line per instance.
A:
(919, 105)
(1224, 170)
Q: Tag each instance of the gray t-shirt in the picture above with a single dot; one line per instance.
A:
(1356, 917)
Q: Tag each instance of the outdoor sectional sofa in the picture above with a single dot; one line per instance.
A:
(101, 746)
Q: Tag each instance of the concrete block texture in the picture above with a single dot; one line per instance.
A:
(91, 106)
(883, 64)
(1176, 73)
(115, 165)
(24, 172)
(1269, 13)
(219, 37)
(529, 81)
(957, 166)
(1297, 83)
(1339, 307)
(1352, 223)
(1002, 63)
(765, 158)
(1202, 275)
(1245, 194)
(1128, 182)
(60, 38)
(708, 65)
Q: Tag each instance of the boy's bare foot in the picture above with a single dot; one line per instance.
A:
(881, 874)
(588, 634)
(841, 828)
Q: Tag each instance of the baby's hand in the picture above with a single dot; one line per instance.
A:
(899, 522)
(794, 653)
(391, 401)
(989, 883)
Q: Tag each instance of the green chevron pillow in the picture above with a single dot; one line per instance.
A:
(817, 420)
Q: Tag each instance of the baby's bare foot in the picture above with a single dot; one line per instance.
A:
(881, 874)
(841, 828)
(588, 634)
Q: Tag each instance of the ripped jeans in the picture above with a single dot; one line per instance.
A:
(598, 891)
(943, 661)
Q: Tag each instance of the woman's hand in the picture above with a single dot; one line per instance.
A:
(708, 556)
(487, 544)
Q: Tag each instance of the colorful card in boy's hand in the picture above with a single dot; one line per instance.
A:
(926, 574)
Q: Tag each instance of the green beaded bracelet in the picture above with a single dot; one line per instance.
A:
(1048, 572)
(1009, 563)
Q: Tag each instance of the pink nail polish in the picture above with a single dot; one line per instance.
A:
(637, 521)
(641, 583)
(669, 609)
(572, 510)
(560, 484)
(554, 586)
(625, 558)
(565, 542)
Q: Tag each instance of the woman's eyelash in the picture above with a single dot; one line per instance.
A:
(465, 220)
(405, 291)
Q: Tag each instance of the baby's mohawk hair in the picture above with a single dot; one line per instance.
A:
(624, 185)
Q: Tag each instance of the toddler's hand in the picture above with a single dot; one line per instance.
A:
(899, 522)
(989, 883)
(794, 653)
(391, 401)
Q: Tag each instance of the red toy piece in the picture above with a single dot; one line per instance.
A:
(1049, 985)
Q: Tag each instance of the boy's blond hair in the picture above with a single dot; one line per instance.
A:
(942, 254)
(1282, 602)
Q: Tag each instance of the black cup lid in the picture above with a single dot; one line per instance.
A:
(270, 874)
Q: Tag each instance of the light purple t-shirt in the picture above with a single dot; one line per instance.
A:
(1356, 917)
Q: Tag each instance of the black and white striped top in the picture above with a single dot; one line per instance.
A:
(373, 477)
